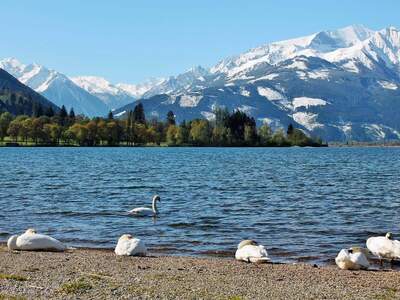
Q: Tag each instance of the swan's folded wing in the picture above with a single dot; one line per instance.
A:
(360, 259)
(252, 253)
(28, 241)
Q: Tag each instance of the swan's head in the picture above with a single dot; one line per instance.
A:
(30, 231)
(156, 198)
(12, 242)
(389, 235)
(246, 243)
(126, 237)
(359, 250)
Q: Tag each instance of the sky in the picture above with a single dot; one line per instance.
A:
(133, 40)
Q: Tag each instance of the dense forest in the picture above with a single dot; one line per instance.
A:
(63, 128)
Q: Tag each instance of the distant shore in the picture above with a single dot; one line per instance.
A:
(89, 274)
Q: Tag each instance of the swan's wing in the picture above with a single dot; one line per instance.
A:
(360, 259)
(38, 242)
(380, 246)
(251, 253)
(396, 249)
(130, 247)
(12, 243)
(141, 211)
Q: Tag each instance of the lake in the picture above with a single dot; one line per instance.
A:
(303, 204)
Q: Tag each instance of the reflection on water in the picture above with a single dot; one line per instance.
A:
(303, 204)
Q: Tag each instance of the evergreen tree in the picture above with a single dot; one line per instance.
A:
(49, 112)
(138, 114)
(110, 116)
(170, 118)
(63, 116)
(72, 114)
(290, 129)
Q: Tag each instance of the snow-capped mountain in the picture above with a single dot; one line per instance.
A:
(56, 87)
(139, 90)
(340, 85)
(112, 95)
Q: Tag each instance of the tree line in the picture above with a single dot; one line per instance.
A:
(227, 129)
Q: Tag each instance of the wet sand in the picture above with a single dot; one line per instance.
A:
(100, 274)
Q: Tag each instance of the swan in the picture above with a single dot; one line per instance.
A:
(145, 211)
(130, 246)
(33, 241)
(352, 259)
(250, 251)
(384, 247)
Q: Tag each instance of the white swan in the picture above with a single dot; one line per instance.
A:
(128, 245)
(32, 241)
(145, 211)
(250, 251)
(384, 247)
(352, 259)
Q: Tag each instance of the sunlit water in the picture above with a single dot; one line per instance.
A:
(303, 204)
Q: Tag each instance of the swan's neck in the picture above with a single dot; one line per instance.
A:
(154, 206)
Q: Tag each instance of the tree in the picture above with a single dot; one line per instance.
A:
(5, 120)
(79, 133)
(26, 129)
(49, 111)
(250, 135)
(37, 109)
(138, 114)
(72, 114)
(289, 129)
(200, 132)
(278, 139)
(221, 117)
(63, 116)
(182, 135)
(14, 129)
(91, 137)
(172, 132)
(170, 118)
(265, 134)
(110, 116)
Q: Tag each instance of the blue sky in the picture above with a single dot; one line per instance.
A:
(129, 41)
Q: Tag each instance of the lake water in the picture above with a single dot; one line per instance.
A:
(303, 204)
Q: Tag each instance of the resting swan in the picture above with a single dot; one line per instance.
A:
(32, 241)
(250, 251)
(145, 211)
(352, 259)
(128, 245)
(384, 247)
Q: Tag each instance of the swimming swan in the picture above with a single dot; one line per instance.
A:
(128, 245)
(145, 211)
(352, 259)
(384, 247)
(32, 241)
(250, 251)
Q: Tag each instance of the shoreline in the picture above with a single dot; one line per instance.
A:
(99, 273)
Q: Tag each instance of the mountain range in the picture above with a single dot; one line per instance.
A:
(337, 84)
(18, 99)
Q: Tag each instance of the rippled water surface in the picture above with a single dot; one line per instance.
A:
(303, 204)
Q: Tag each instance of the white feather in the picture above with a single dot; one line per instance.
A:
(351, 261)
(127, 245)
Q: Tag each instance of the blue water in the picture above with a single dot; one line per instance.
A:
(303, 204)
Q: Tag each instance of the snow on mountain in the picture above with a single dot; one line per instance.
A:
(338, 84)
(112, 95)
(138, 90)
(55, 86)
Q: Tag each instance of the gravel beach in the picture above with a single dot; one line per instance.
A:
(100, 274)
